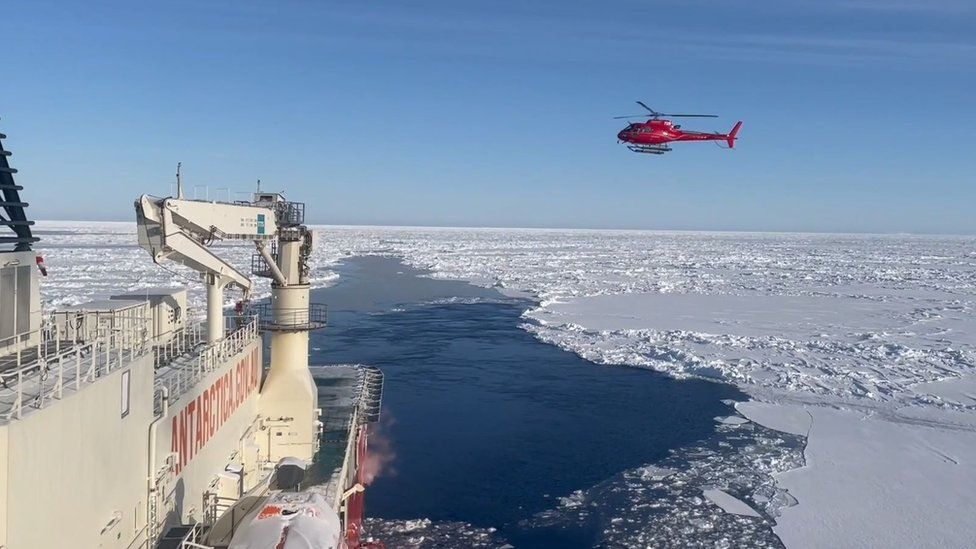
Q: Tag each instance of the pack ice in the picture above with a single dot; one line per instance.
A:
(863, 344)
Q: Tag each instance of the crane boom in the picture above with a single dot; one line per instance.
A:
(181, 230)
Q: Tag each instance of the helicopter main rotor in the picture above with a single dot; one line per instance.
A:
(654, 115)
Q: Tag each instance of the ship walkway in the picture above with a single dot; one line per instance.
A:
(31, 354)
(36, 376)
(176, 536)
(349, 396)
(188, 357)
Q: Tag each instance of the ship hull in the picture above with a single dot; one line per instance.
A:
(205, 444)
(84, 447)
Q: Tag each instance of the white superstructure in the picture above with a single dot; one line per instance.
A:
(128, 423)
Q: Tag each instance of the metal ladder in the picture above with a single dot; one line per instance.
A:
(13, 216)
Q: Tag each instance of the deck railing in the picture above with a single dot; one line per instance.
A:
(313, 317)
(192, 358)
(193, 538)
(34, 376)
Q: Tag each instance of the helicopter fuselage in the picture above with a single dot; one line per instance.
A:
(657, 132)
(654, 135)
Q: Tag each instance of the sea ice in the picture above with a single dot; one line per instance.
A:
(874, 481)
(866, 342)
(731, 420)
(729, 503)
(793, 420)
(877, 329)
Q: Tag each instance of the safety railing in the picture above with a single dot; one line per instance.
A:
(290, 213)
(215, 506)
(367, 392)
(194, 538)
(179, 343)
(64, 330)
(36, 375)
(370, 394)
(259, 266)
(25, 348)
(185, 370)
(222, 516)
(313, 317)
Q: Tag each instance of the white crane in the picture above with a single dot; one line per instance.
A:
(182, 230)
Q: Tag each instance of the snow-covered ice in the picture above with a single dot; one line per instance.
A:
(862, 345)
(873, 480)
(729, 503)
(792, 419)
(865, 342)
(731, 420)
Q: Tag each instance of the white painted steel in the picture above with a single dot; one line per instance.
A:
(215, 308)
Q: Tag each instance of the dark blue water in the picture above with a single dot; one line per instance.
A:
(488, 424)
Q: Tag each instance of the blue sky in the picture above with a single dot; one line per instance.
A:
(859, 114)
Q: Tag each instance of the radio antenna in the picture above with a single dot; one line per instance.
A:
(179, 181)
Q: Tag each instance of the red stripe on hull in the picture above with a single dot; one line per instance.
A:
(356, 502)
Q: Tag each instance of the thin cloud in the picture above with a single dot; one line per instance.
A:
(945, 7)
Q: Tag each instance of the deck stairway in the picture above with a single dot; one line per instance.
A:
(183, 536)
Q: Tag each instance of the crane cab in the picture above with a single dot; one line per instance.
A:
(268, 198)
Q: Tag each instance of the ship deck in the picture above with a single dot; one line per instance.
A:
(185, 360)
(31, 354)
(42, 374)
(348, 394)
(339, 390)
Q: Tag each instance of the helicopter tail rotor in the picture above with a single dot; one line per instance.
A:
(734, 133)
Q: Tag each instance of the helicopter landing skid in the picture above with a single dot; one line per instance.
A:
(649, 149)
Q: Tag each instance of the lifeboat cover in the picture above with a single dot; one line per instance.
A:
(290, 520)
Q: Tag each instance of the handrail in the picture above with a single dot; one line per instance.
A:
(12, 344)
(194, 362)
(52, 371)
(78, 363)
(312, 317)
(55, 331)
(192, 538)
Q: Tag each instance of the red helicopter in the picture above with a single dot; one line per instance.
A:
(654, 135)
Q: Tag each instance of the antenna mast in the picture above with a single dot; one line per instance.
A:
(179, 181)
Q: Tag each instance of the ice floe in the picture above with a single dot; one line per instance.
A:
(861, 347)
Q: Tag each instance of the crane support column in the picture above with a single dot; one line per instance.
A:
(289, 307)
(289, 396)
(289, 391)
(215, 307)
